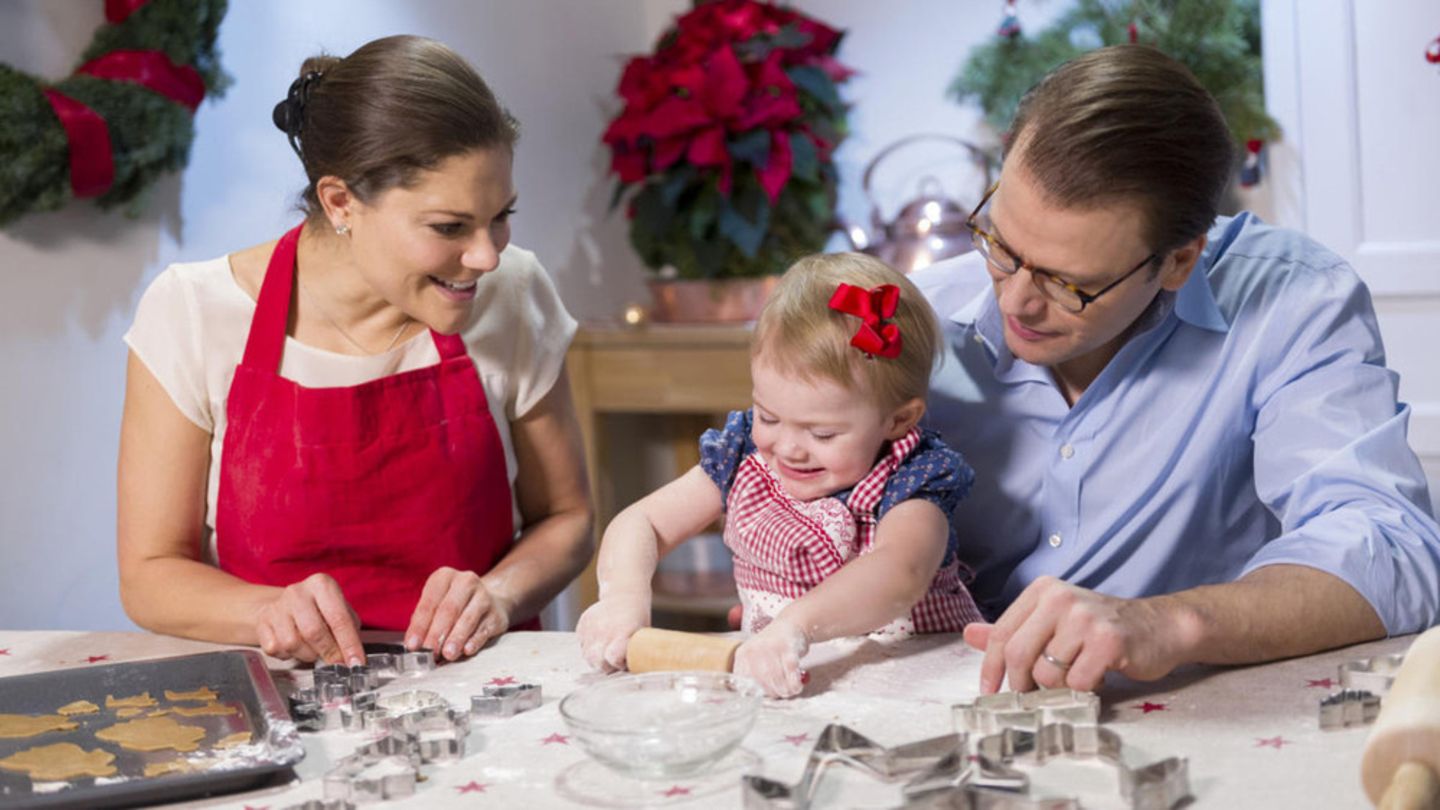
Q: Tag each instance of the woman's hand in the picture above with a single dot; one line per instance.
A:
(456, 615)
(310, 620)
(772, 657)
(605, 628)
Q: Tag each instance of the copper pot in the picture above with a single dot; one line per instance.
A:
(710, 300)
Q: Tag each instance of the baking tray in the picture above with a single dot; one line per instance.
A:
(238, 677)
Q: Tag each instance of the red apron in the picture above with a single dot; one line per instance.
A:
(377, 484)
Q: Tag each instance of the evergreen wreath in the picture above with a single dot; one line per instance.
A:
(120, 120)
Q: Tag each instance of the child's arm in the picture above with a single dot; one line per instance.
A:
(864, 595)
(633, 544)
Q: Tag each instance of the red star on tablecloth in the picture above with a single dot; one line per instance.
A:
(248, 807)
(1322, 683)
(796, 739)
(1276, 742)
(505, 681)
(90, 659)
(5, 651)
(472, 787)
(556, 738)
(675, 790)
(1148, 707)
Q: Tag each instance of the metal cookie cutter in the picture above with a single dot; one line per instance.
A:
(393, 660)
(368, 776)
(938, 761)
(1160, 785)
(320, 804)
(1374, 675)
(504, 701)
(419, 725)
(1348, 707)
(989, 714)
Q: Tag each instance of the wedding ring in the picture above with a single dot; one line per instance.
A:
(1056, 662)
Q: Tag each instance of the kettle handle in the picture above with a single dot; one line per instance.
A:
(980, 156)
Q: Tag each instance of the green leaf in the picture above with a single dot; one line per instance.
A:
(753, 147)
(745, 219)
(676, 183)
(814, 81)
(804, 156)
(703, 211)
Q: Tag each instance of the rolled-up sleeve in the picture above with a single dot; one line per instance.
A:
(1332, 461)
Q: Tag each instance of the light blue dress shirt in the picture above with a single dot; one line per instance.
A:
(1250, 421)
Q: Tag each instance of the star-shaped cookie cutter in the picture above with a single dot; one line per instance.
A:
(936, 767)
(1373, 675)
(1348, 707)
(321, 804)
(989, 714)
(1160, 785)
(507, 700)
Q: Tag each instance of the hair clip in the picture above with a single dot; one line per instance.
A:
(877, 336)
(289, 115)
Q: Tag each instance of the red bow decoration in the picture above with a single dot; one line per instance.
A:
(877, 335)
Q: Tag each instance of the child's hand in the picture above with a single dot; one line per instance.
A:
(773, 656)
(606, 627)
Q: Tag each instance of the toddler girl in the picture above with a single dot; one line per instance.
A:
(837, 506)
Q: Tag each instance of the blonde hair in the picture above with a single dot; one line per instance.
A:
(798, 333)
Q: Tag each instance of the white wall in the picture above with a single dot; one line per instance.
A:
(69, 280)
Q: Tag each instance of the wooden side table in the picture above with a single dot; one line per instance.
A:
(670, 370)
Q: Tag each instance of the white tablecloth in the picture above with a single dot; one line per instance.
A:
(1250, 734)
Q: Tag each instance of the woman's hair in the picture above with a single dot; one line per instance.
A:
(393, 108)
(1128, 122)
(799, 334)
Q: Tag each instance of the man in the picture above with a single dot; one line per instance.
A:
(1187, 444)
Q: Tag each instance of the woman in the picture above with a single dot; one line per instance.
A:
(361, 423)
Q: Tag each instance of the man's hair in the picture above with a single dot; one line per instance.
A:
(799, 334)
(1128, 123)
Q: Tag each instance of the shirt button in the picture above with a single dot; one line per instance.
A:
(1066, 451)
(1055, 540)
(978, 338)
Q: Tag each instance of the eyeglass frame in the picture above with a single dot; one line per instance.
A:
(1037, 273)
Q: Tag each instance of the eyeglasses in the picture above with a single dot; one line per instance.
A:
(1000, 257)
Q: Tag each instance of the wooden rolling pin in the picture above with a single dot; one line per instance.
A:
(652, 650)
(1402, 757)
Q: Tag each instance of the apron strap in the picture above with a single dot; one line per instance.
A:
(266, 342)
(449, 346)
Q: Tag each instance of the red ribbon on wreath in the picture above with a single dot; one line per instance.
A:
(1432, 53)
(92, 162)
(876, 335)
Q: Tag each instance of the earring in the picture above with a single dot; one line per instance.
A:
(342, 229)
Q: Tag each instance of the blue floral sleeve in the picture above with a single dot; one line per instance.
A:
(722, 449)
(933, 472)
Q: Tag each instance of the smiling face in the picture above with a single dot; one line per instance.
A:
(818, 436)
(422, 248)
(1089, 248)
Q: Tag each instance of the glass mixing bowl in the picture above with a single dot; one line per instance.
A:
(662, 725)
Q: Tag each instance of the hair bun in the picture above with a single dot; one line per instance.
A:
(289, 115)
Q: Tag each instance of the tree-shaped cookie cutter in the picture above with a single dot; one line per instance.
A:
(989, 714)
(1160, 785)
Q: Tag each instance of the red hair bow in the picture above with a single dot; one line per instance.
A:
(875, 336)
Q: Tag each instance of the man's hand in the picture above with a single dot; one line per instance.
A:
(772, 657)
(1056, 634)
(605, 628)
(456, 615)
(310, 620)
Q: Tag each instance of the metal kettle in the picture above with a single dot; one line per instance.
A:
(928, 228)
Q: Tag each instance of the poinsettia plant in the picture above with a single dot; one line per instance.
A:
(723, 148)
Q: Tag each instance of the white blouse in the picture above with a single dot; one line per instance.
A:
(192, 323)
